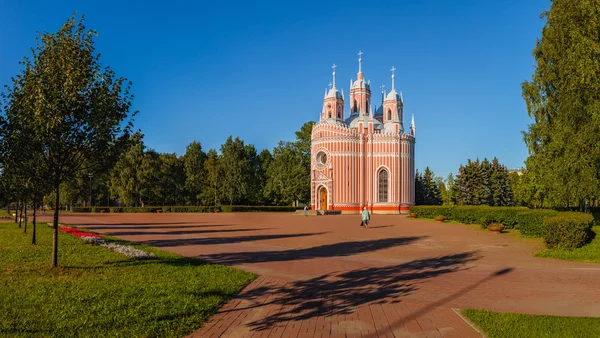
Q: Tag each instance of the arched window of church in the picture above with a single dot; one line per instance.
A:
(329, 114)
(383, 185)
(355, 106)
(389, 114)
(367, 107)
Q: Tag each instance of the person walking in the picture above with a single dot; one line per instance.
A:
(305, 210)
(365, 218)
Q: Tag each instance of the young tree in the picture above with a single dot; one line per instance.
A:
(79, 107)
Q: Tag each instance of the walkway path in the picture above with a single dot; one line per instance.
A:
(328, 277)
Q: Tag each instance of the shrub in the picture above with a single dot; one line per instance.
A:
(81, 209)
(257, 208)
(531, 222)
(568, 230)
(431, 211)
(116, 209)
(100, 209)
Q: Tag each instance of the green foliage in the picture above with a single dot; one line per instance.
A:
(510, 325)
(427, 188)
(530, 222)
(568, 230)
(562, 99)
(193, 165)
(234, 169)
(587, 253)
(482, 183)
(286, 174)
(100, 293)
(258, 208)
(81, 209)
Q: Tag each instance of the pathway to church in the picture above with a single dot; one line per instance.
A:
(328, 277)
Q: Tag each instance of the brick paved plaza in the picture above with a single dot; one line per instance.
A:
(328, 277)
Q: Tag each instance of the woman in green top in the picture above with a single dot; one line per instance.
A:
(365, 218)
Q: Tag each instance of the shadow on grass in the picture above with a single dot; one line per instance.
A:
(342, 293)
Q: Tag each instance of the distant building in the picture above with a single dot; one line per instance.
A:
(518, 171)
(365, 160)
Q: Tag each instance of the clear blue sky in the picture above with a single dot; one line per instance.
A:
(205, 70)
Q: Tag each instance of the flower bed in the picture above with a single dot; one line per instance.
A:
(91, 238)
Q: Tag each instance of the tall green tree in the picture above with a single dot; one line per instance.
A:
(234, 168)
(79, 107)
(193, 163)
(211, 192)
(563, 101)
(265, 159)
(286, 174)
(125, 177)
(303, 145)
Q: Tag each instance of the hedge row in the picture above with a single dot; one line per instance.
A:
(559, 229)
(223, 208)
(569, 230)
(252, 208)
(529, 222)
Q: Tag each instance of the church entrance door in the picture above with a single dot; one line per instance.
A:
(323, 204)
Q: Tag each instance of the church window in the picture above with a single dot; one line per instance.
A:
(330, 114)
(389, 114)
(321, 158)
(339, 115)
(383, 186)
(355, 106)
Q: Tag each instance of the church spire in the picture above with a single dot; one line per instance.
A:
(393, 77)
(412, 125)
(334, 66)
(360, 53)
(382, 93)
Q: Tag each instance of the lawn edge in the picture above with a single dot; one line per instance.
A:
(469, 322)
(216, 309)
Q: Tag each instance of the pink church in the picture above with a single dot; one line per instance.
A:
(364, 160)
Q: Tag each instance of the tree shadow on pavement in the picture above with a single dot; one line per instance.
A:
(178, 232)
(341, 293)
(328, 250)
(161, 243)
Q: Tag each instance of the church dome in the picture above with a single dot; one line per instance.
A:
(333, 92)
(393, 95)
(361, 83)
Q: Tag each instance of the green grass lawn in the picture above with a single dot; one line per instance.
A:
(512, 325)
(587, 253)
(100, 293)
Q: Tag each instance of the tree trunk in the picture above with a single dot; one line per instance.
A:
(17, 212)
(20, 215)
(34, 219)
(55, 229)
(25, 228)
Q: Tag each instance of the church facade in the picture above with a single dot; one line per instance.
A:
(360, 158)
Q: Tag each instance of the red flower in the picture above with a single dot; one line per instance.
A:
(77, 232)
